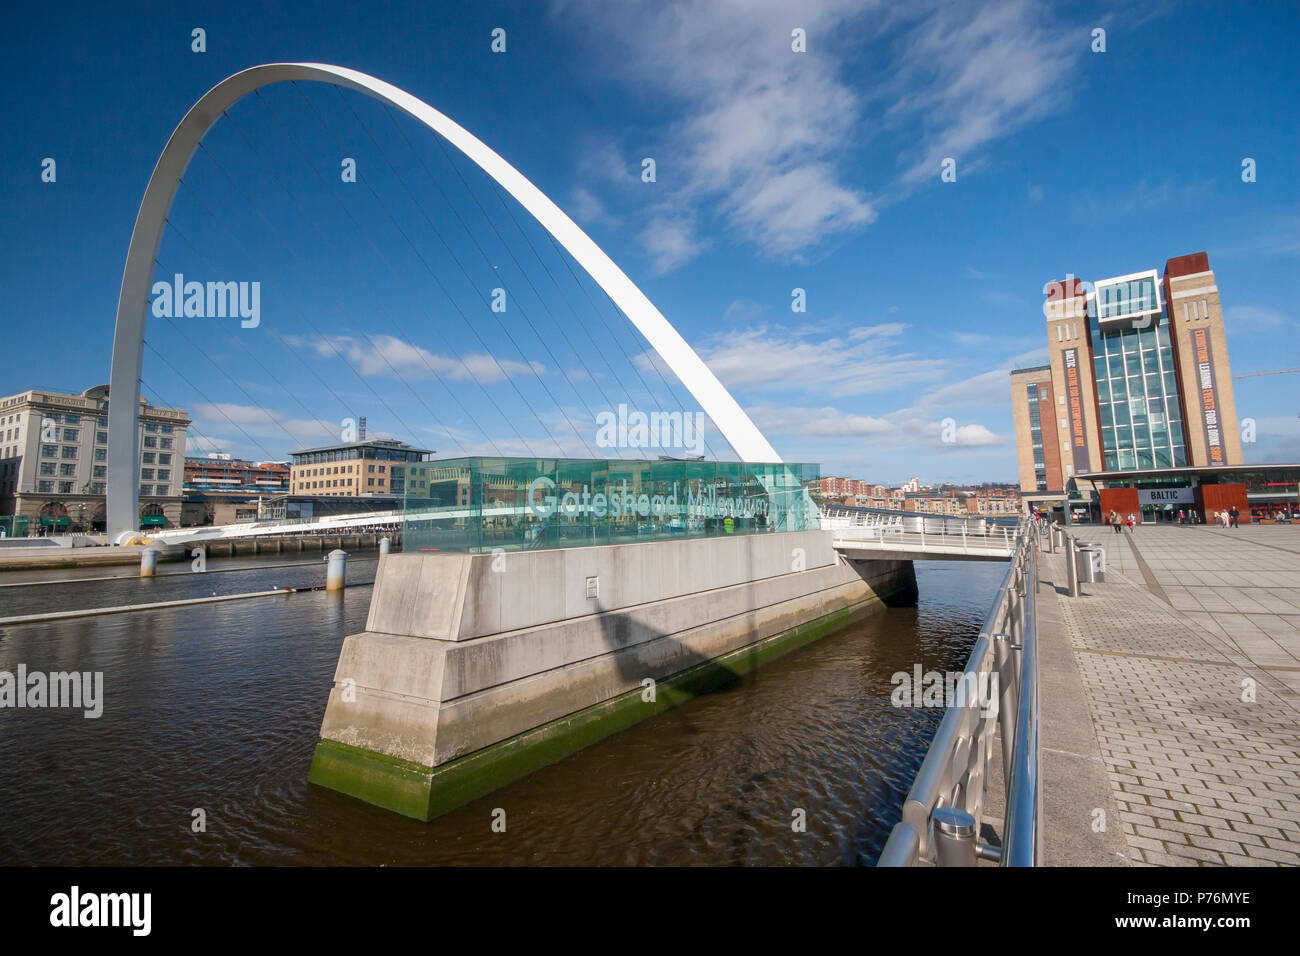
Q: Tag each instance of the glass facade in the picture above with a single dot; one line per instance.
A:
(1131, 297)
(1137, 395)
(485, 504)
(1036, 436)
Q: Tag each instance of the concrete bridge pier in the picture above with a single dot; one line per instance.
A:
(476, 669)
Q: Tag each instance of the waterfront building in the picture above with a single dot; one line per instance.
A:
(1138, 380)
(235, 476)
(357, 469)
(54, 459)
(220, 489)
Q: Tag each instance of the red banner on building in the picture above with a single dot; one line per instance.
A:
(1074, 401)
(1209, 396)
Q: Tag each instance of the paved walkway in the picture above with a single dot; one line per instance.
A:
(1189, 662)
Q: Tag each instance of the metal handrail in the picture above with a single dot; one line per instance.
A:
(955, 769)
(1024, 785)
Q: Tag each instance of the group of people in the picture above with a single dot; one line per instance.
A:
(1117, 522)
(1228, 518)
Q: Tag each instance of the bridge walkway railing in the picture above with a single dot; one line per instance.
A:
(997, 696)
(940, 533)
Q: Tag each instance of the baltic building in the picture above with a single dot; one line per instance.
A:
(1138, 385)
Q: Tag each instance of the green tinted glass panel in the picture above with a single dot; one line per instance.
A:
(484, 504)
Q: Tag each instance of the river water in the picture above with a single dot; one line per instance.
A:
(218, 707)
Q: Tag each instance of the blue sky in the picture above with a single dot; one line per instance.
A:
(775, 170)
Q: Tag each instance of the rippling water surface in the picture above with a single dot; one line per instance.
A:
(219, 707)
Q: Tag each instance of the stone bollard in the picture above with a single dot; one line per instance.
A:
(336, 570)
(383, 545)
(1071, 568)
(148, 562)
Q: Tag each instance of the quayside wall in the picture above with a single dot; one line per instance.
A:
(476, 669)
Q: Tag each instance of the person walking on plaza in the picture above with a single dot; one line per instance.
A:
(1182, 517)
(1113, 519)
(1132, 522)
(1235, 515)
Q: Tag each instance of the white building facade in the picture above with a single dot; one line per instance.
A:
(54, 460)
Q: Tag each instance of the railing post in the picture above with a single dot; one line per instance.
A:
(954, 836)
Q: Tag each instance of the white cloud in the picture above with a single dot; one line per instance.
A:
(822, 422)
(387, 354)
(976, 435)
(973, 73)
(586, 208)
(669, 241)
(778, 358)
(763, 127)
(206, 445)
(880, 330)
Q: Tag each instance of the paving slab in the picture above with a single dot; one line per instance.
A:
(1188, 668)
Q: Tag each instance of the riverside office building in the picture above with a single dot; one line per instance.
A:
(1135, 409)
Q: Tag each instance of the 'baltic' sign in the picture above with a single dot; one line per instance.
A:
(1166, 496)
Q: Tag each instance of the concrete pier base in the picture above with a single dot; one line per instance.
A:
(475, 670)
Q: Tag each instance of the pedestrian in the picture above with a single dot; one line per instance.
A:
(1113, 519)
(1182, 518)
(1132, 521)
(1235, 515)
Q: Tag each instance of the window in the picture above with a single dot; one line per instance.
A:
(69, 451)
(96, 487)
(146, 491)
(164, 443)
(150, 427)
(101, 454)
(164, 474)
(164, 459)
(45, 487)
(68, 470)
(71, 419)
(167, 429)
(101, 438)
(146, 474)
(65, 487)
(147, 457)
(47, 468)
(71, 434)
(99, 471)
(49, 451)
(150, 441)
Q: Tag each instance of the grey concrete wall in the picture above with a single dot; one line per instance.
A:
(491, 593)
(458, 656)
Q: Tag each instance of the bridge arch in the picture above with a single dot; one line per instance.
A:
(133, 300)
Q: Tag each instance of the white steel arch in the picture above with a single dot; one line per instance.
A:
(133, 301)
